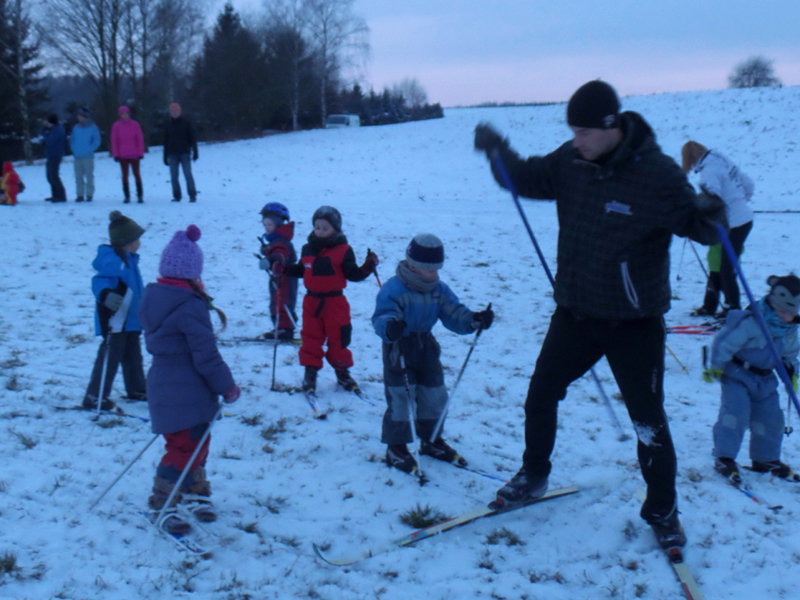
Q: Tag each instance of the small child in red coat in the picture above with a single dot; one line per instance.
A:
(9, 185)
(326, 264)
(277, 247)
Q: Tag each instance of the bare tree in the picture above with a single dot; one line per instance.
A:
(89, 36)
(412, 92)
(756, 71)
(339, 36)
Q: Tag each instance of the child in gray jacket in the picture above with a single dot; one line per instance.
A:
(741, 360)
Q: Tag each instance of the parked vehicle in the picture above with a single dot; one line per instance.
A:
(337, 121)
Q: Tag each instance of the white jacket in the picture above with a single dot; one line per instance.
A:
(718, 175)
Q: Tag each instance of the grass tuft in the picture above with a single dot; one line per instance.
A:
(420, 517)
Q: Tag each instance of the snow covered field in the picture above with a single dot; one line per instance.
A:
(283, 480)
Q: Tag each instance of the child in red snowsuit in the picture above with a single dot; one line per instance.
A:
(327, 263)
(9, 185)
(277, 247)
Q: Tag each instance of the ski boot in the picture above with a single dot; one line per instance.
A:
(728, 468)
(398, 456)
(79, 199)
(441, 450)
(284, 335)
(310, 380)
(197, 497)
(776, 468)
(171, 522)
(344, 379)
(522, 487)
(669, 531)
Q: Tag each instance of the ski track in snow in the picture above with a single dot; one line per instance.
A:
(322, 481)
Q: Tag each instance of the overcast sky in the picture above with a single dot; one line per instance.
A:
(472, 51)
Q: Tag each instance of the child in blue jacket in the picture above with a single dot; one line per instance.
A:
(118, 289)
(741, 360)
(407, 308)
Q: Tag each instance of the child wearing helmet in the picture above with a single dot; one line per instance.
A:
(278, 253)
(742, 361)
(327, 263)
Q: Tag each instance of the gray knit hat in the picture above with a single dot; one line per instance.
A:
(122, 230)
(330, 214)
(425, 252)
(785, 293)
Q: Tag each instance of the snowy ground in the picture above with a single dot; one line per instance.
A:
(322, 481)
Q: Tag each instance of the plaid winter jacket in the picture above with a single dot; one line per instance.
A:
(616, 222)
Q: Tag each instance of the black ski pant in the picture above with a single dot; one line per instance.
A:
(635, 351)
(123, 348)
(54, 179)
(426, 388)
(725, 279)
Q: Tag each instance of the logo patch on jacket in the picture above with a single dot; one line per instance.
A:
(618, 207)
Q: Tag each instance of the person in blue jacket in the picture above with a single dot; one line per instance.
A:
(118, 289)
(54, 141)
(84, 140)
(407, 308)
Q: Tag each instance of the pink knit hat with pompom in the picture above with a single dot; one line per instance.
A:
(182, 258)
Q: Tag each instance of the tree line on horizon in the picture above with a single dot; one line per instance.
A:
(281, 70)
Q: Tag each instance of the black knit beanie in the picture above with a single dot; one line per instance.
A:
(53, 119)
(785, 293)
(122, 230)
(330, 214)
(425, 252)
(594, 106)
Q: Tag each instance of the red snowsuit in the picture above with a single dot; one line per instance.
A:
(9, 185)
(326, 265)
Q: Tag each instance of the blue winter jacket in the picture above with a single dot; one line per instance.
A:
(188, 374)
(420, 310)
(742, 337)
(84, 139)
(111, 270)
(54, 141)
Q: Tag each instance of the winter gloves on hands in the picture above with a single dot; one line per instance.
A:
(483, 319)
(713, 208)
(232, 395)
(370, 263)
(113, 301)
(712, 375)
(395, 329)
(488, 139)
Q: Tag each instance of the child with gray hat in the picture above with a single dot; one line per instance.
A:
(118, 288)
(407, 308)
(741, 360)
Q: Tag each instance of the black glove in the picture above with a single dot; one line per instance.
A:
(395, 329)
(370, 263)
(483, 319)
(487, 139)
(713, 208)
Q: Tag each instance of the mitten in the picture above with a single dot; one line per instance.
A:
(487, 138)
(113, 301)
(370, 263)
(794, 384)
(232, 395)
(713, 208)
(483, 319)
(712, 375)
(263, 264)
(395, 329)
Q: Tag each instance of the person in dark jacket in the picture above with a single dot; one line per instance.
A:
(117, 288)
(619, 201)
(327, 263)
(180, 149)
(54, 141)
(186, 378)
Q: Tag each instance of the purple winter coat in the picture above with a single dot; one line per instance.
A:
(188, 374)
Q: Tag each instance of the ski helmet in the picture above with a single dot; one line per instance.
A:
(277, 211)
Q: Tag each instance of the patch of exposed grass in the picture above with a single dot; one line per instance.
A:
(420, 517)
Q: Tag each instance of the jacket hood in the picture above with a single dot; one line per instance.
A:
(160, 300)
(7, 167)
(108, 259)
(286, 230)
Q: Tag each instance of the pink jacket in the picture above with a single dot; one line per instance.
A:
(126, 139)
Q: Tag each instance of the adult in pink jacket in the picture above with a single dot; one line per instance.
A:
(127, 148)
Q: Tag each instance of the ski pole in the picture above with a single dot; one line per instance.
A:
(186, 468)
(411, 417)
(675, 357)
(376, 270)
(726, 243)
(700, 260)
(622, 436)
(101, 391)
(130, 464)
(275, 331)
(458, 379)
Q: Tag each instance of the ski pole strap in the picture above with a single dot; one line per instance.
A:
(726, 244)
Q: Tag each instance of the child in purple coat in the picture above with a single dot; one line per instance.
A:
(186, 378)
